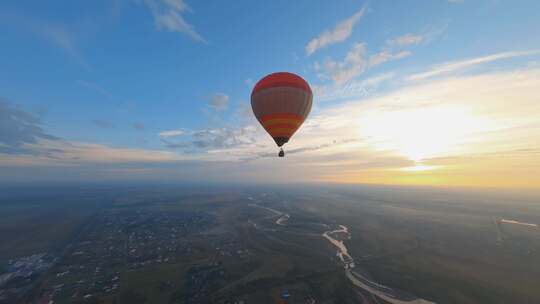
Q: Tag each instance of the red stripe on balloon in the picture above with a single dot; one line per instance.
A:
(282, 79)
(281, 126)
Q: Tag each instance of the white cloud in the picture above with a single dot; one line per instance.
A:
(352, 65)
(352, 89)
(211, 139)
(172, 133)
(339, 33)
(407, 39)
(355, 63)
(168, 16)
(454, 66)
(219, 102)
(385, 56)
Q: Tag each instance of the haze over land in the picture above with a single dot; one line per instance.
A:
(208, 244)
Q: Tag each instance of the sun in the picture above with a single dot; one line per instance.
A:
(422, 133)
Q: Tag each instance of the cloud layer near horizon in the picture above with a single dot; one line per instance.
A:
(475, 129)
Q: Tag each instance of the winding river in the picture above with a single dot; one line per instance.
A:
(380, 291)
(383, 292)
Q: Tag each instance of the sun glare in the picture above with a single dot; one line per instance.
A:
(419, 168)
(424, 133)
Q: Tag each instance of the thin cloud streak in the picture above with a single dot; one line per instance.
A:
(211, 140)
(407, 39)
(356, 89)
(339, 33)
(65, 153)
(385, 56)
(355, 63)
(172, 133)
(168, 15)
(454, 66)
(352, 65)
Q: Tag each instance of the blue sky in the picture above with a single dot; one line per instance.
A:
(167, 82)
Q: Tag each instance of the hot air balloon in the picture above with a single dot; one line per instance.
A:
(281, 102)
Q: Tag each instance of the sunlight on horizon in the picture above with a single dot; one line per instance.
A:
(422, 133)
(420, 167)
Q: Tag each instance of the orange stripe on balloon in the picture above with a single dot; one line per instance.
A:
(291, 120)
(282, 116)
(281, 126)
(274, 122)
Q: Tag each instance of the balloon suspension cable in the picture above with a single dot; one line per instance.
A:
(281, 153)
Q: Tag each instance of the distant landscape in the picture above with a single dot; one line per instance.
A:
(259, 152)
(301, 244)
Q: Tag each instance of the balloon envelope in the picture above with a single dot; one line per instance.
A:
(281, 102)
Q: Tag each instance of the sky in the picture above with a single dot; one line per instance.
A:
(438, 93)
